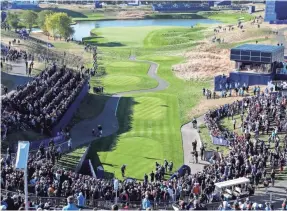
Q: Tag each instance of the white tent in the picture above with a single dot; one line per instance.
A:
(229, 183)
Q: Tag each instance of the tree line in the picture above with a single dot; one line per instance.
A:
(55, 24)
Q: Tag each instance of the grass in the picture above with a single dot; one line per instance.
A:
(70, 160)
(227, 16)
(149, 132)
(206, 140)
(125, 76)
(149, 123)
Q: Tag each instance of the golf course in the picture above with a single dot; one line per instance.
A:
(149, 122)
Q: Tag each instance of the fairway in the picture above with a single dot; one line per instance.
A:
(123, 36)
(149, 132)
(124, 76)
(149, 122)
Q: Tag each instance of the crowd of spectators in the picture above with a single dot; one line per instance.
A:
(10, 54)
(247, 158)
(42, 102)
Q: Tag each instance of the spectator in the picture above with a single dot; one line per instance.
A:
(70, 205)
(146, 203)
(81, 200)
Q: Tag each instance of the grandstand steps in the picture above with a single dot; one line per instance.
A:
(70, 160)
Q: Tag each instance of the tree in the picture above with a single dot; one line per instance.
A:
(29, 18)
(51, 24)
(65, 29)
(59, 24)
(42, 18)
(13, 20)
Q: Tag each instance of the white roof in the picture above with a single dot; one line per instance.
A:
(241, 180)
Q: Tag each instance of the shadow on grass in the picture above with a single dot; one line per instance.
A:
(91, 107)
(100, 41)
(107, 144)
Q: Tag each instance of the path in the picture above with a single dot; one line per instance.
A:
(81, 133)
(189, 134)
(15, 76)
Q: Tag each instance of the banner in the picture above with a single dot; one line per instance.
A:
(22, 155)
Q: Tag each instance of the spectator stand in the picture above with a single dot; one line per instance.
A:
(75, 88)
(255, 65)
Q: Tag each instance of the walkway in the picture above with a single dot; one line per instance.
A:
(189, 134)
(16, 75)
(81, 133)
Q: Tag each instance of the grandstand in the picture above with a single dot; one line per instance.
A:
(58, 104)
(275, 12)
(24, 4)
(182, 6)
(254, 65)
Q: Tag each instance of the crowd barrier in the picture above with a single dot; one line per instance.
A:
(219, 141)
(71, 110)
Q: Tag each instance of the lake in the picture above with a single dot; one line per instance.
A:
(83, 28)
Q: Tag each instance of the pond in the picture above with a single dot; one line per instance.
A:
(83, 28)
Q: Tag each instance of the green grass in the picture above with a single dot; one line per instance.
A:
(206, 140)
(70, 160)
(149, 132)
(149, 123)
(123, 36)
(231, 17)
(125, 76)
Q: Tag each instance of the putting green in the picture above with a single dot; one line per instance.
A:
(120, 80)
(150, 108)
(125, 64)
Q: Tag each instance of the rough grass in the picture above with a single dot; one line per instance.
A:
(176, 37)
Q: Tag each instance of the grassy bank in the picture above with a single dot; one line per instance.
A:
(84, 13)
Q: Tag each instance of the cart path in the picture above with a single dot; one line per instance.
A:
(81, 133)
